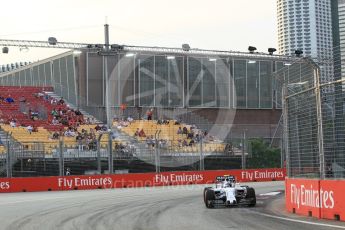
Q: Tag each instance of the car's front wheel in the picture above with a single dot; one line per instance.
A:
(209, 198)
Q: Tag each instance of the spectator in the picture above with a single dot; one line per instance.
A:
(142, 133)
(196, 138)
(68, 172)
(136, 134)
(104, 128)
(9, 99)
(64, 121)
(179, 143)
(61, 101)
(77, 112)
(149, 114)
(54, 112)
(149, 142)
(191, 142)
(177, 122)
(53, 101)
(29, 128)
(190, 135)
(179, 131)
(22, 99)
(184, 143)
(79, 139)
(13, 123)
(98, 128)
(34, 129)
(56, 136)
(130, 119)
(69, 133)
(34, 115)
(192, 127)
(185, 130)
(46, 97)
(329, 170)
(55, 121)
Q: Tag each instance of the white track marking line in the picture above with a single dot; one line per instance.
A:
(301, 221)
(270, 194)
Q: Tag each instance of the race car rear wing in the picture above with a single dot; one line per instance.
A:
(225, 178)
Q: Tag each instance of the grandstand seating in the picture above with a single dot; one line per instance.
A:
(45, 129)
(168, 132)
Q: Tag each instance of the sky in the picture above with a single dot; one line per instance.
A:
(204, 24)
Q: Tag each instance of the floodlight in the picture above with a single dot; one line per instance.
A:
(271, 50)
(52, 41)
(185, 47)
(251, 49)
(298, 53)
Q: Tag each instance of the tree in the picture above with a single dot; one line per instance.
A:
(263, 156)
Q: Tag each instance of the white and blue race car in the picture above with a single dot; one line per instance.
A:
(229, 193)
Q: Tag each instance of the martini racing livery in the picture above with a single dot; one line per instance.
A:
(226, 191)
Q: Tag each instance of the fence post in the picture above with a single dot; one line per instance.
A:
(243, 150)
(8, 159)
(110, 152)
(157, 154)
(99, 167)
(202, 163)
(319, 123)
(61, 158)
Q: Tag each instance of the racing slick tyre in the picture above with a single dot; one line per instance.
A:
(204, 194)
(209, 197)
(251, 197)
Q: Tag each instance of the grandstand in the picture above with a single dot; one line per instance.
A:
(219, 97)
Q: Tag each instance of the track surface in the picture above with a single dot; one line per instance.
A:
(144, 208)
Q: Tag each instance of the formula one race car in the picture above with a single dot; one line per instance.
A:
(227, 191)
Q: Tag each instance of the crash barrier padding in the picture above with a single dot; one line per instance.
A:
(108, 181)
(317, 198)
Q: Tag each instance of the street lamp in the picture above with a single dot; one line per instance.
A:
(5, 50)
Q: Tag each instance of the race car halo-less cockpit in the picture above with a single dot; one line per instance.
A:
(226, 191)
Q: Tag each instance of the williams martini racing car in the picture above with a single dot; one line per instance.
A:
(226, 191)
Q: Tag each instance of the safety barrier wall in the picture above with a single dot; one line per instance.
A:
(318, 198)
(56, 183)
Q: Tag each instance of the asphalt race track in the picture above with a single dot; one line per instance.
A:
(148, 209)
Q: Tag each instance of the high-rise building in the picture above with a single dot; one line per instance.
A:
(338, 21)
(307, 25)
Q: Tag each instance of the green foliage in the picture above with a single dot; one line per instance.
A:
(263, 156)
